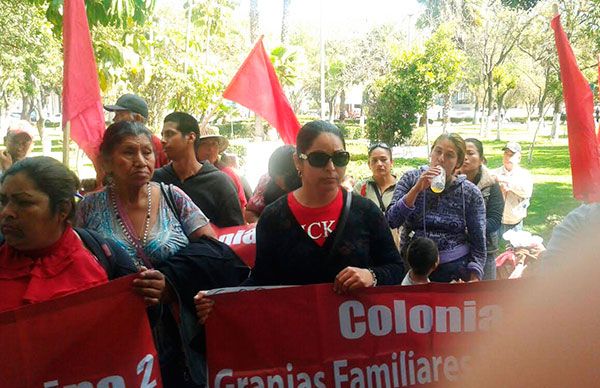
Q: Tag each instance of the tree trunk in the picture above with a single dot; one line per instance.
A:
(489, 91)
(40, 123)
(541, 123)
(476, 110)
(258, 128)
(500, 116)
(446, 112)
(426, 130)
(342, 115)
(26, 107)
(284, 21)
(555, 120)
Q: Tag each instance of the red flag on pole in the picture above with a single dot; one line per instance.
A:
(82, 106)
(579, 104)
(256, 87)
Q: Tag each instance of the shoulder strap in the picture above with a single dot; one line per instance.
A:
(167, 193)
(339, 229)
(381, 205)
(99, 249)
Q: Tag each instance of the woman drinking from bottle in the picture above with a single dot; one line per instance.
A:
(454, 218)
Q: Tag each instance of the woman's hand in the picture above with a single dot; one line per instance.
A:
(5, 160)
(150, 284)
(473, 277)
(351, 278)
(204, 306)
(424, 181)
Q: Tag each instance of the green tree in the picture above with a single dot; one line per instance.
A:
(398, 98)
(444, 61)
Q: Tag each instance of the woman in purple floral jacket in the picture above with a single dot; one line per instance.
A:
(454, 218)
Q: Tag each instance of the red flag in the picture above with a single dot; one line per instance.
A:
(579, 104)
(82, 105)
(256, 87)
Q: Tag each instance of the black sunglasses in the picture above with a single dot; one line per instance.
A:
(320, 158)
(379, 145)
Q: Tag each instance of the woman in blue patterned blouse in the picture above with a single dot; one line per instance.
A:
(131, 209)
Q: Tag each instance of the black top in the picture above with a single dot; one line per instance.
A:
(211, 190)
(286, 255)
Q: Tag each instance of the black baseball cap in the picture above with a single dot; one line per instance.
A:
(130, 102)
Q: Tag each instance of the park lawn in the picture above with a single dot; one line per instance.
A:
(550, 166)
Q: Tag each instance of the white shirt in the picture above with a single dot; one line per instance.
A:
(519, 185)
(407, 281)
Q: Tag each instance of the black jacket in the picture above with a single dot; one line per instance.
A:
(211, 190)
(285, 254)
(494, 207)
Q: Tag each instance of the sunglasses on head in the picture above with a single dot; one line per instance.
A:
(379, 145)
(320, 158)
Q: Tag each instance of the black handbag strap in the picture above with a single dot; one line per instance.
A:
(168, 195)
(339, 229)
(381, 205)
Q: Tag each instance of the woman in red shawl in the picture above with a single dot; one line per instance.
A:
(42, 256)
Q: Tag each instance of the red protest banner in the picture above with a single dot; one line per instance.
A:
(241, 239)
(379, 337)
(97, 338)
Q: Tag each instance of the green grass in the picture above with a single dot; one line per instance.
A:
(552, 191)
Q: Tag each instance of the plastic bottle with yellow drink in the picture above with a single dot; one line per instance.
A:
(438, 183)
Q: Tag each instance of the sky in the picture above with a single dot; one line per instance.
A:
(340, 16)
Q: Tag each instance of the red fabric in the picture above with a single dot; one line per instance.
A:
(82, 104)
(579, 104)
(237, 183)
(241, 239)
(256, 203)
(37, 276)
(317, 222)
(409, 336)
(99, 337)
(161, 158)
(256, 87)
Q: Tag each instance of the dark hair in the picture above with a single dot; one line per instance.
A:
(50, 177)
(281, 161)
(186, 123)
(459, 144)
(117, 132)
(422, 255)
(311, 130)
(380, 145)
(479, 147)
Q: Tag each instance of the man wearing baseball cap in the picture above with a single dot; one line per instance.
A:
(18, 141)
(131, 107)
(516, 184)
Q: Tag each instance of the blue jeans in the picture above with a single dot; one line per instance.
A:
(489, 269)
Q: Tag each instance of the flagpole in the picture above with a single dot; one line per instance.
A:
(66, 140)
(322, 60)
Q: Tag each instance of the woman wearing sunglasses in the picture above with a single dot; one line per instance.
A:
(454, 218)
(312, 236)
